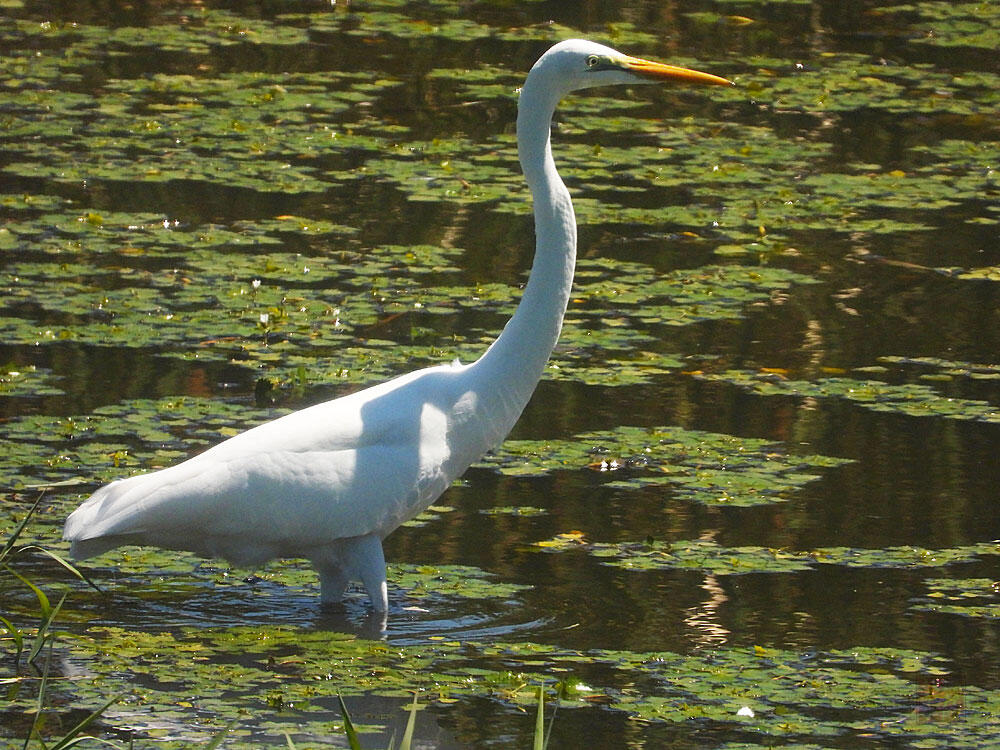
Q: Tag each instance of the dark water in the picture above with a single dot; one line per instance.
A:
(924, 481)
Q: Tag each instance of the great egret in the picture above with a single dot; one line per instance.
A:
(330, 482)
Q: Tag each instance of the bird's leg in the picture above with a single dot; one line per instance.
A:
(366, 560)
(356, 558)
(332, 582)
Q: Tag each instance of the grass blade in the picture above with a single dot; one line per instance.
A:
(540, 721)
(18, 638)
(43, 630)
(42, 687)
(72, 737)
(9, 545)
(43, 600)
(411, 723)
(86, 738)
(349, 730)
(218, 739)
(560, 691)
(62, 561)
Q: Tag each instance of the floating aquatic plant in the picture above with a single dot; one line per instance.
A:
(207, 201)
(703, 467)
(910, 399)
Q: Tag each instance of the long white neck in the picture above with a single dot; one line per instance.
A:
(514, 363)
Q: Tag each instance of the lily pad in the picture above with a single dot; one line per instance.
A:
(914, 400)
(975, 598)
(709, 557)
(703, 467)
(29, 380)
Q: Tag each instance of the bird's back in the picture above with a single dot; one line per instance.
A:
(357, 465)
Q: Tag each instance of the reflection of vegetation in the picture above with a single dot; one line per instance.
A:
(540, 741)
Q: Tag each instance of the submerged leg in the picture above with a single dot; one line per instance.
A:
(356, 558)
(332, 582)
(367, 562)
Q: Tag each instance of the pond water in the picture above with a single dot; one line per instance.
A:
(761, 472)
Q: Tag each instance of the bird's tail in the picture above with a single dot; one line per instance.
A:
(87, 548)
(87, 526)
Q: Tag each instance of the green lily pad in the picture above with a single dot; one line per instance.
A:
(315, 197)
(959, 24)
(915, 400)
(709, 557)
(290, 678)
(28, 380)
(966, 597)
(703, 467)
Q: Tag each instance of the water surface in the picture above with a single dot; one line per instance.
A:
(761, 472)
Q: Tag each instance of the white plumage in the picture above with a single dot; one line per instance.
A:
(329, 482)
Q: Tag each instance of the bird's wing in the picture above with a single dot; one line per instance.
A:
(250, 506)
(353, 466)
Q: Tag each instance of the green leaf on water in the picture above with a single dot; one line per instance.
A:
(28, 380)
(977, 598)
(703, 467)
(709, 557)
(915, 400)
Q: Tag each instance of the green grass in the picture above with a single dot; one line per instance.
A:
(43, 640)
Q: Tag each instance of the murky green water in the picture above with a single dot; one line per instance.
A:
(762, 471)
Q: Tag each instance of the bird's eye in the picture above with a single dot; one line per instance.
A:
(593, 61)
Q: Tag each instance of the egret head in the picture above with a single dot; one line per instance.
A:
(579, 64)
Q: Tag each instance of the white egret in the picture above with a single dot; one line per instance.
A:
(330, 482)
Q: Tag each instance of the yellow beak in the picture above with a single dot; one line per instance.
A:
(663, 72)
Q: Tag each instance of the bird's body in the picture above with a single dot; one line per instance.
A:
(330, 482)
(299, 486)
